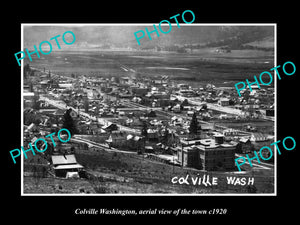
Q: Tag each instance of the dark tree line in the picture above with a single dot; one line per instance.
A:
(193, 129)
(69, 123)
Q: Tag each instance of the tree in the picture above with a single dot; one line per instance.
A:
(30, 116)
(69, 123)
(185, 103)
(144, 131)
(194, 125)
(30, 87)
(165, 137)
(27, 71)
(36, 102)
(86, 105)
(117, 79)
(31, 73)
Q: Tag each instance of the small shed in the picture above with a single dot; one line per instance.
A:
(223, 101)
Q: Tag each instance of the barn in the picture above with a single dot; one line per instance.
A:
(67, 166)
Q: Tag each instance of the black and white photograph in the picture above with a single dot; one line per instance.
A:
(165, 109)
(141, 111)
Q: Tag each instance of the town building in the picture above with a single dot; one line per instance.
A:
(187, 93)
(66, 166)
(223, 102)
(244, 145)
(216, 155)
(230, 132)
(139, 91)
(258, 137)
(183, 86)
(117, 139)
(189, 157)
(207, 154)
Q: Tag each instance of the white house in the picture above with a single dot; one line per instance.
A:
(223, 102)
(257, 137)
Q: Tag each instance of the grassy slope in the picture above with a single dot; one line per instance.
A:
(130, 173)
(153, 177)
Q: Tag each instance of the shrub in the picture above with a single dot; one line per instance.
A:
(100, 189)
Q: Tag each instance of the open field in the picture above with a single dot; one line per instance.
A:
(202, 65)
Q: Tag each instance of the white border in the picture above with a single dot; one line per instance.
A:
(149, 24)
(22, 114)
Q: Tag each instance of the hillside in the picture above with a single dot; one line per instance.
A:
(267, 42)
(195, 37)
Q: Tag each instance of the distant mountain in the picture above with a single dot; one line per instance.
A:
(267, 42)
(212, 36)
(122, 36)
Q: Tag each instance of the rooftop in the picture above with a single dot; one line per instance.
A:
(63, 159)
(206, 144)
